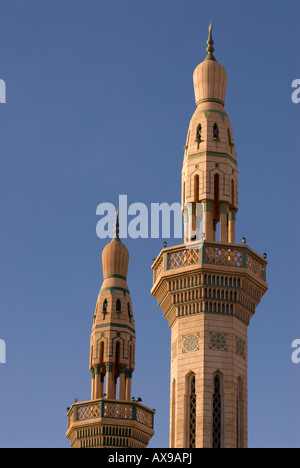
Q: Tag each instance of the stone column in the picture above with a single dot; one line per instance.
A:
(93, 384)
(223, 222)
(97, 383)
(122, 383)
(231, 225)
(128, 385)
(109, 382)
(207, 220)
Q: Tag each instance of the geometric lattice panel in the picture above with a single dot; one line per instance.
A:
(217, 414)
(241, 347)
(192, 419)
(218, 341)
(190, 343)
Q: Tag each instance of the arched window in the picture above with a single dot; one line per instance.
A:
(198, 135)
(129, 312)
(191, 411)
(216, 132)
(240, 414)
(229, 137)
(173, 414)
(198, 132)
(104, 308)
(217, 413)
(232, 192)
(196, 188)
(118, 306)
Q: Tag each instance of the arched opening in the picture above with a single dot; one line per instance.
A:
(191, 407)
(196, 188)
(240, 414)
(232, 192)
(216, 211)
(118, 306)
(216, 132)
(104, 308)
(217, 412)
(198, 135)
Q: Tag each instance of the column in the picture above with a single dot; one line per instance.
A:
(109, 382)
(97, 383)
(223, 222)
(128, 385)
(231, 225)
(93, 384)
(207, 220)
(122, 383)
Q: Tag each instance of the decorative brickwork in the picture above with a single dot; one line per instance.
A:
(241, 347)
(218, 341)
(190, 343)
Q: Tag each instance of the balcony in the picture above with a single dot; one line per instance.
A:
(210, 253)
(110, 409)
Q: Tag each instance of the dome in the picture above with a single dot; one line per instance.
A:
(210, 78)
(115, 256)
(115, 259)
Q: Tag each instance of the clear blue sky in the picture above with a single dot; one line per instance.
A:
(99, 97)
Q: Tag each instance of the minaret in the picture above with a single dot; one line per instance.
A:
(209, 290)
(111, 418)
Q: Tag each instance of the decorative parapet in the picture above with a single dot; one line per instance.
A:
(210, 253)
(110, 409)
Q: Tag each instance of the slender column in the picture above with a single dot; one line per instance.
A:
(93, 384)
(223, 222)
(109, 382)
(207, 220)
(231, 226)
(128, 385)
(122, 383)
(97, 383)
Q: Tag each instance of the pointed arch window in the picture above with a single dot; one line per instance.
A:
(191, 411)
(240, 413)
(216, 132)
(104, 308)
(118, 306)
(217, 413)
(129, 311)
(229, 137)
(198, 135)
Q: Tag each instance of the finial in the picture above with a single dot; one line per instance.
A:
(210, 49)
(116, 231)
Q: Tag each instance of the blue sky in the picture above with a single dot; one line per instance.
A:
(99, 98)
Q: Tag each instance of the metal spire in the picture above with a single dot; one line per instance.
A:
(210, 49)
(116, 231)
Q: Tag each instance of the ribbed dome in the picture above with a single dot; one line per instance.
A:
(115, 259)
(210, 78)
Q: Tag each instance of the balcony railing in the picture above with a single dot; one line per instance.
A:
(210, 253)
(111, 409)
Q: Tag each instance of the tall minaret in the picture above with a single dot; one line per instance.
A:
(111, 418)
(209, 290)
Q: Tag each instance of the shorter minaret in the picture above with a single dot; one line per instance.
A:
(111, 418)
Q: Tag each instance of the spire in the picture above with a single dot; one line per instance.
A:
(210, 49)
(116, 231)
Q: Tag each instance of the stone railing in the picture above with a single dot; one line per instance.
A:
(211, 253)
(111, 409)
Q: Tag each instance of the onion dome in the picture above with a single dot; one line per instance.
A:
(115, 256)
(210, 78)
